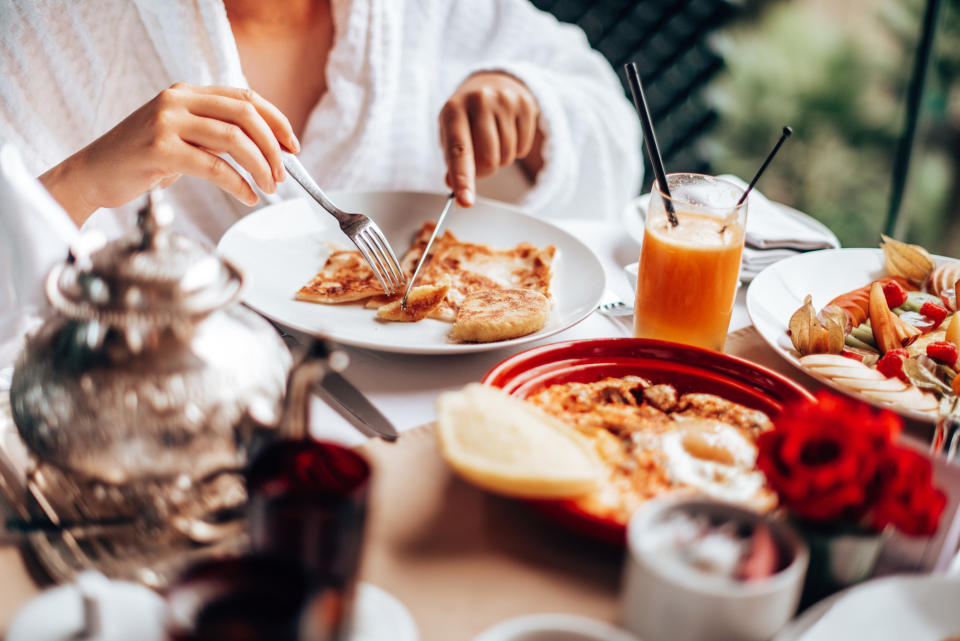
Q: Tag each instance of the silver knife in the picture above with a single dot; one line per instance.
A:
(355, 407)
(424, 258)
(343, 396)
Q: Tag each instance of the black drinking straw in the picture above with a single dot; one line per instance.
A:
(649, 137)
(773, 152)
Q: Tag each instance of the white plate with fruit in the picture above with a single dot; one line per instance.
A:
(907, 364)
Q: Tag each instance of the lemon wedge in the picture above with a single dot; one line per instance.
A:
(505, 445)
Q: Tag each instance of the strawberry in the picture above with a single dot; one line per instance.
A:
(943, 351)
(891, 364)
(895, 294)
(934, 312)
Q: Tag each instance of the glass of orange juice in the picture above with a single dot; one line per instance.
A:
(688, 273)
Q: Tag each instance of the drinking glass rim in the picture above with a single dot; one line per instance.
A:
(703, 208)
(261, 479)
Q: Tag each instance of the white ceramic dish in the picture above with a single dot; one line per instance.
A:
(778, 291)
(554, 627)
(125, 611)
(918, 608)
(281, 247)
(664, 600)
(380, 616)
(131, 611)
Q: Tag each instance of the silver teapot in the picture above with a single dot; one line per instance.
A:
(141, 398)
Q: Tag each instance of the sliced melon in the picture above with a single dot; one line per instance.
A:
(877, 385)
(863, 372)
(910, 399)
(828, 360)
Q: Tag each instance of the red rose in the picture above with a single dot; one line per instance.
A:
(907, 499)
(836, 460)
(821, 458)
(817, 473)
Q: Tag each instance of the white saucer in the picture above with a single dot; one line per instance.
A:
(916, 607)
(380, 616)
(554, 627)
(131, 611)
(125, 611)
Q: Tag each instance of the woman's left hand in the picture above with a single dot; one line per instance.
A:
(489, 122)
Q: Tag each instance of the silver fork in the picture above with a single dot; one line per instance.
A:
(615, 308)
(359, 228)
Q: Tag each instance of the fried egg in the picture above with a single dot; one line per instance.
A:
(716, 459)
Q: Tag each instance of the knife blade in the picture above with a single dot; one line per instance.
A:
(425, 257)
(355, 407)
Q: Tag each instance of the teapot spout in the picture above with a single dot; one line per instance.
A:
(315, 363)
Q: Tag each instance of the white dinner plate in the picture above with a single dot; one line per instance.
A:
(132, 611)
(918, 608)
(554, 627)
(778, 291)
(279, 248)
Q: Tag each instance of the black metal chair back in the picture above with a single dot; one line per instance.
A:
(670, 41)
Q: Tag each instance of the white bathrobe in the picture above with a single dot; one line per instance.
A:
(69, 71)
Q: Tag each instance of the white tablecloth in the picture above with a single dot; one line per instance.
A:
(405, 387)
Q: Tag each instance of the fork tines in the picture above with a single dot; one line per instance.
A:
(378, 253)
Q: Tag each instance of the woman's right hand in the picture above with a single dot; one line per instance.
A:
(180, 131)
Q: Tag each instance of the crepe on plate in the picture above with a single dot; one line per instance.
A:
(462, 268)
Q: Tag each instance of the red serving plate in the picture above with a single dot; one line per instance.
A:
(689, 369)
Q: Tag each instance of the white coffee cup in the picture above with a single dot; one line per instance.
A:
(662, 601)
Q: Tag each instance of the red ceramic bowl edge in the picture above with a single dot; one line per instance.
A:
(568, 514)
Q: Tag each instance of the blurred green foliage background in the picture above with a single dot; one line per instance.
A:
(837, 72)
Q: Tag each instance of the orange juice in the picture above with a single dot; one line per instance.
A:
(687, 279)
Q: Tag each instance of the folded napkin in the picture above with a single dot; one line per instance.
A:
(771, 225)
(35, 233)
(775, 232)
(756, 260)
(918, 608)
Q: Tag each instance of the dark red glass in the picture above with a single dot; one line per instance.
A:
(308, 504)
(250, 598)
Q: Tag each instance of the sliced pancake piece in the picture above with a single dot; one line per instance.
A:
(421, 302)
(443, 312)
(474, 267)
(376, 302)
(499, 314)
(345, 278)
(467, 267)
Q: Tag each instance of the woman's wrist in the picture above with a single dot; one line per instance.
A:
(533, 162)
(66, 184)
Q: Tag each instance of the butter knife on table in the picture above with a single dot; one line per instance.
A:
(351, 404)
(344, 397)
(425, 257)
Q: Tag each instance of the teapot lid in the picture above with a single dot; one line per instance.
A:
(149, 277)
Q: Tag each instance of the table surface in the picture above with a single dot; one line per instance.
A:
(428, 529)
(583, 581)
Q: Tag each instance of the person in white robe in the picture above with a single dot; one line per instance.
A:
(76, 74)
(70, 72)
